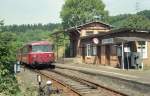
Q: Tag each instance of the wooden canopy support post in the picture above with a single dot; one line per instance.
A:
(57, 45)
(64, 54)
(142, 65)
(122, 57)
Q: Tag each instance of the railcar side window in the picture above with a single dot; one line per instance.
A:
(41, 48)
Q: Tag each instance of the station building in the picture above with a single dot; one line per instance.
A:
(99, 43)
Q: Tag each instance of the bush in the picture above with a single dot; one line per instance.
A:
(8, 81)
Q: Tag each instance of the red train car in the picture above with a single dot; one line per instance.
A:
(36, 54)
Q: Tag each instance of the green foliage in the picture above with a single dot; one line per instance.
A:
(117, 20)
(8, 82)
(76, 12)
(32, 35)
(28, 33)
(9, 86)
(145, 13)
(140, 20)
(136, 21)
(25, 28)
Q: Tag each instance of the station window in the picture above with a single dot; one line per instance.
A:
(94, 50)
(88, 50)
(142, 48)
(91, 50)
(89, 33)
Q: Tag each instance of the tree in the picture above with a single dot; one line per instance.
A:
(136, 21)
(8, 83)
(145, 13)
(116, 20)
(76, 12)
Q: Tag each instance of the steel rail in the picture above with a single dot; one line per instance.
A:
(88, 82)
(58, 81)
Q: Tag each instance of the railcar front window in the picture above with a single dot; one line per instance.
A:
(41, 48)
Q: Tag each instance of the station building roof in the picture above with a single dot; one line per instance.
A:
(75, 28)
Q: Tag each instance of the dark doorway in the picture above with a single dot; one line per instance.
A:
(107, 54)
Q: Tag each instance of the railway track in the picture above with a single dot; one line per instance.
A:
(80, 86)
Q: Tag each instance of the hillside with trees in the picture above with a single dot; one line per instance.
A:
(140, 20)
(28, 33)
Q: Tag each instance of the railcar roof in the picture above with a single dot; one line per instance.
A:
(39, 43)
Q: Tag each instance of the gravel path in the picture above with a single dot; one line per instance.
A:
(28, 84)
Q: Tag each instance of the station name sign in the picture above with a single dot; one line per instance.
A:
(108, 41)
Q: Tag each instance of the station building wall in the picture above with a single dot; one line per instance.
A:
(107, 55)
(146, 61)
(104, 55)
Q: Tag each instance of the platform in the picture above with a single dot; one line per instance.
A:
(141, 76)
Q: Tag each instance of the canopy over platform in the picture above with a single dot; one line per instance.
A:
(128, 39)
(120, 35)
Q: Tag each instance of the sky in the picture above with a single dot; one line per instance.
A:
(48, 11)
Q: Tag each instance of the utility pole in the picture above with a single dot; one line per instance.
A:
(137, 6)
(57, 45)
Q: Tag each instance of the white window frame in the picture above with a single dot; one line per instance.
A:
(91, 50)
(143, 52)
(94, 50)
(88, 47)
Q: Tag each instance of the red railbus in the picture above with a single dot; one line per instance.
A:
(35, 54)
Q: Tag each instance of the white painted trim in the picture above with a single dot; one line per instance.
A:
(144, 51)
(88, 46)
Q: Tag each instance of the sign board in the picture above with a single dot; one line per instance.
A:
(108, 41)
(95, 40)
(127, 49)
